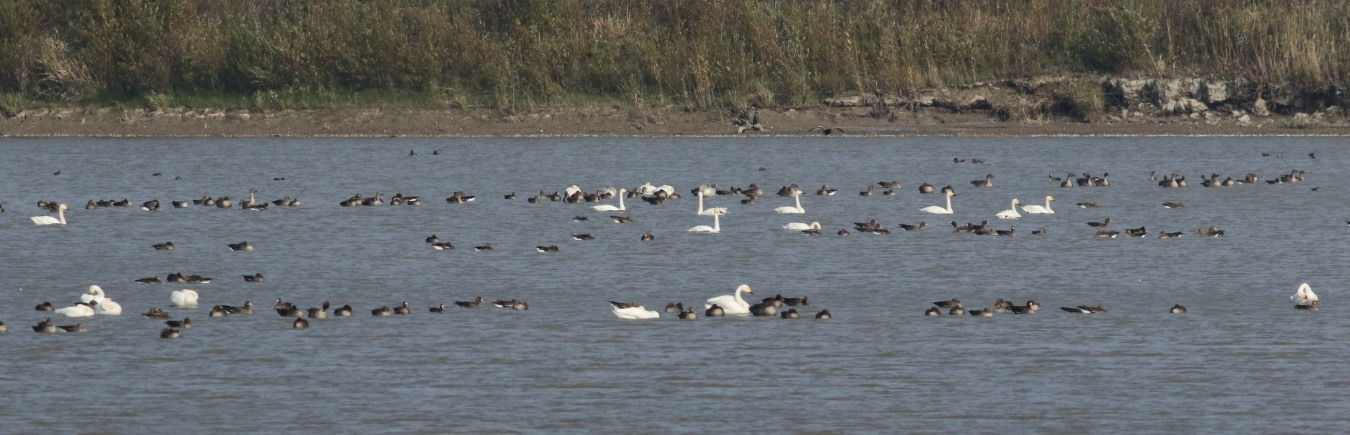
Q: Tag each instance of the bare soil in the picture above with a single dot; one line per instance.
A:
(621, 121)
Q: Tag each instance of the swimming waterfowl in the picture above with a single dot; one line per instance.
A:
(185, 323)
(256, 277)
(549, 248)
(932, 311)
(1172, 204)
(218, 311)
(166, 246)
(1011, 212)
(1304, 298)
(83, 309)
(514, 304)
(78, 327)
(940, 210)
(584, 236)
(1106, 234)
(1087, 205)
(621, 219)
(982, 313)
(319, 313)
(796, 302)
(343, 311)
(1039, 231)
(48, 220)
(824, 314)
(1177, 309)
(45, 306)
(688, 314)
(483, 247)
(799, 226)
(382, 311)
(1103, 224)
(442, 246)
(925, 188)
(1167, 235)
(732, 303)
(403, 309)
(956, 311)
(796, 208)
(714, 310)
(150, 280)
(184, 298)
(247, 308)
(763, 309)
(919, 226)
(437, 309)
(300, 323)
(826, 190)
(1085, 309)
(1040, 209)
(470, 304)
(632, 310)
(608, 207)
(715, 228)
(155, 313)
(948, 304)
(868, 192)
(1030, 307)
(241, 246)
(45, 327)
(647, 237)
(170, 333)
(673, 307)
(791, 313)
(988, 181)
(1136, 232)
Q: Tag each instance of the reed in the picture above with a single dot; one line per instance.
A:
(698, 53)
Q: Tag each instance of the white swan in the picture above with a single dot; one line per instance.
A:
(1304, 295)
(939, 210)
(716, 228)
(184, 298)
(608, 207)
(107, 307)
(797, 198)
(48, 220)
(732, 303)
(78, 310)
(802, 226)
(632, 311)
(1037, 209)
(708, 211)
(94, 294)
(1011, 212)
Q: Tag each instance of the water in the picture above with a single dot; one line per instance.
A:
(1242, 360)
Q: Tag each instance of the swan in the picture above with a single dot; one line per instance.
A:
(83, 309)
(608, 207)
(716, 228)
(107, 307)
(709, 211)
(802, 226)
(183, 298)
(1037, 209)
(797, 197)
(94, 294)
(48, 220)
(939, 210)
(732, 303)
(632, 311)
(1011, 212)
(1304, 296)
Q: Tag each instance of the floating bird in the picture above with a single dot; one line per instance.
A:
(48, 220)
(257, 277)
(470, 304)
(1177, 309)
(166, 246)
(632, 310)
(732, 303)
(170, 333)
(241, 246)
(184, 298)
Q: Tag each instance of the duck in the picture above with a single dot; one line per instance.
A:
(1177, 309)
(470, 304)
(632, 310)
(170, 333)
(185, 323)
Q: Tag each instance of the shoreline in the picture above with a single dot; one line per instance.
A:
(628, 121)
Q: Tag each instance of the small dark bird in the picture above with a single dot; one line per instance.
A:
(241, 246)
(257, 277)
(300, 323)
(166, 246)
(170, 333)
(185, 323)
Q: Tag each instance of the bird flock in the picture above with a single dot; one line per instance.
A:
(95, 302)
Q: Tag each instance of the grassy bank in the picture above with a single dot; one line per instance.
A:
(520, 54)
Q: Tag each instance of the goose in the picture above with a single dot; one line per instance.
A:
(688, 314)
(632, 310)
(939, 210)
(1103, 224)
(802, 226)
(1136, 232)
(381, 312)
(343, 311)
(714, 311)
(439, 309)
(1177, 309)
(796, 208)
(78, 327)
(83, 309)
(1303, 297)
(1167, 235)
(185, 323)
(247, 308)
(257, 277)
(908, 227)
(45, 327)
(716, 228)
(948, 304)
(1173, 204)
(403, 309)
(170, 333)
(1011, 212)
(708, 211)
(988, 181)
(218, 311)
(932, 311)
(470, 304)
(549, 248)
(483, 247)
(150, 280)
(166, 246)
(925, 188)
(1039, 231)
(48, 220)
(763, 309)
(241, 246)
(514, 304)
(982, 313)
(607, 207)
(1040, 209)
(584, 236)
(442, 246)
(791, 313)
(826, 190)
(155, 313)
(621, 219)
(300, 323)
(320, 312)
(797, 302)
(184, 298)
(732, 303)
(956, 311)
(824, 314)
(1087, 205)
(674, 307)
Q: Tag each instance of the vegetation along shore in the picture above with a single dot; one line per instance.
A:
(622, 67)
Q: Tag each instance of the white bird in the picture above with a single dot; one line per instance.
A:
(802, 226)
(716, 228)
(939, 210)
(732, 303)
(708, 211)
(84, 309)
(94, 294)
(107, 307)
(1037, 209)
(608, 207)
(797, 198)
(1304, 295)
(48, 220)
(184, 298)
(1011, 212)
(632, 311)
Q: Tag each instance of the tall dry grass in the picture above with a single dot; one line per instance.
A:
(701, 53)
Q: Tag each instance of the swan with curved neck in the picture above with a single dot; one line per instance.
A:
(608, 207)
(732, 303)
(709, 211)
(716, 228)
(1011, 212)
(1304, 295)
(48, 220)
(939, 210)
(94, 294)
(797, 209)
(1037, 209)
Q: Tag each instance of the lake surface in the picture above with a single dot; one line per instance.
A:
(1241, 360)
